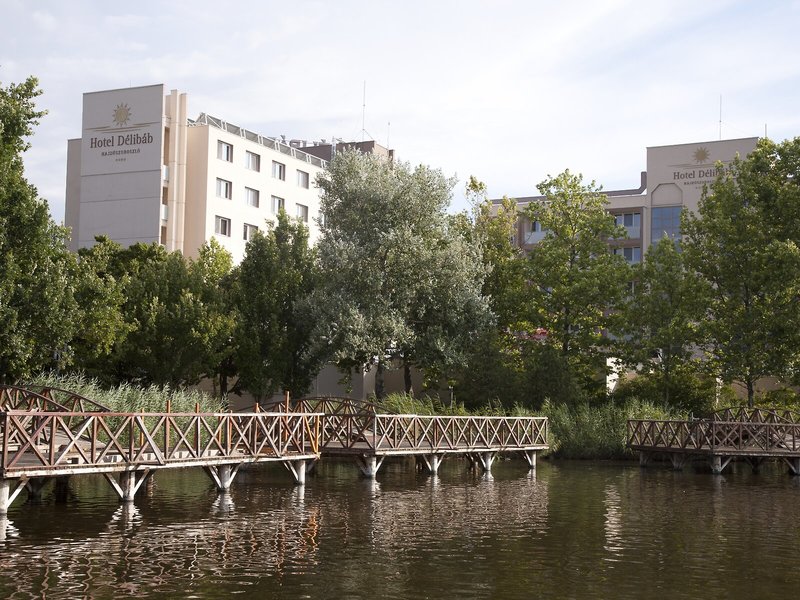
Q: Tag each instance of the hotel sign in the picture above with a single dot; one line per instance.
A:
(122, 130)
(702, 170)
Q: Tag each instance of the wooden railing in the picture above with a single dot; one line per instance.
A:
(58, 441)
(714, 436)
(43, 398)
(354, 426)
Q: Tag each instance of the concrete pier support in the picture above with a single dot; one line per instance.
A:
(9, 490)
(61, 489)
(369, 465)
(677, 460)
(222, 475)
(530, 458)
(794, 465)
(718, 463)
(129, 483)
(432, 462)
(298, 470)
(644, 458)
(34, 488)
(485, 459)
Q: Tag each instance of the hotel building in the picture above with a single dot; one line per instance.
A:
(674, 180)
(144, 172)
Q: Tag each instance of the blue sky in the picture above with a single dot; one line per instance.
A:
(508, 91)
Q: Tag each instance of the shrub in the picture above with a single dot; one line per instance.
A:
(597, 430)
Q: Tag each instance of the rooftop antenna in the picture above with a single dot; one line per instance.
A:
(364, 111)
(720, 116)
(389, 132)
(765, 131)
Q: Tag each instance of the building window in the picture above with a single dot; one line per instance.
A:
(252, 196)
(252, 161)
(224, 151)
(633, 254)
(224, 189)
(535, 234)
(279, 170)
(302, 179)
(277, 204)
(302, 213)
(249, 231)
(163, 235)
(632, 222)
(222, 226)
(665, 221)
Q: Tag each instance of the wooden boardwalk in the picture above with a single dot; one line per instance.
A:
(754, 435)
(357, 429)
(41, 439)
(47, 433)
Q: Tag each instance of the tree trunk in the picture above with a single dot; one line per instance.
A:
(379, 387)
(407, 379)
(750, 392)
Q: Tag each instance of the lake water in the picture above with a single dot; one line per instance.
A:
(567, 530)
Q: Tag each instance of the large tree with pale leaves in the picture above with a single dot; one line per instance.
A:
(401, 284)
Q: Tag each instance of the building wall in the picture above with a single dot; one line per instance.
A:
(143, 172)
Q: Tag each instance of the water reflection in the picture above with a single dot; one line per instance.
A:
(566, 530)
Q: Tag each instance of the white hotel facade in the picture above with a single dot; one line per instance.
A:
(142, 171)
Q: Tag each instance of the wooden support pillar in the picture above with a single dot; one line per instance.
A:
(369, 465)
(530, 458)
(644, 458)
(298, 470)
(222, 475)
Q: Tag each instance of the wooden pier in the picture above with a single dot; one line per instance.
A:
(46, 433)
(42, 439)
(751, 434)
(360, 430)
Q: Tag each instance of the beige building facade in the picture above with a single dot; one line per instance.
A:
(674, 180)
(142, 171)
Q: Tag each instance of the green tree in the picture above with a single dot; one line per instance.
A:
(100, 295)
(661, 316)
(213, 276)
(494, 229)
(576, 282)
(743, 242)
(37, 305)
(273, 335)
(399, 282)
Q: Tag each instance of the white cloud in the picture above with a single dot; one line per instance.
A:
(508, 91)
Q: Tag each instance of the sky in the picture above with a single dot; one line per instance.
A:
(507, 91)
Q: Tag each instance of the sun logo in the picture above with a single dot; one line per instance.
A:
(701, 155)
(122, 114)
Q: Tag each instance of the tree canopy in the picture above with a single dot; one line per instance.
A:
(399, 281)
